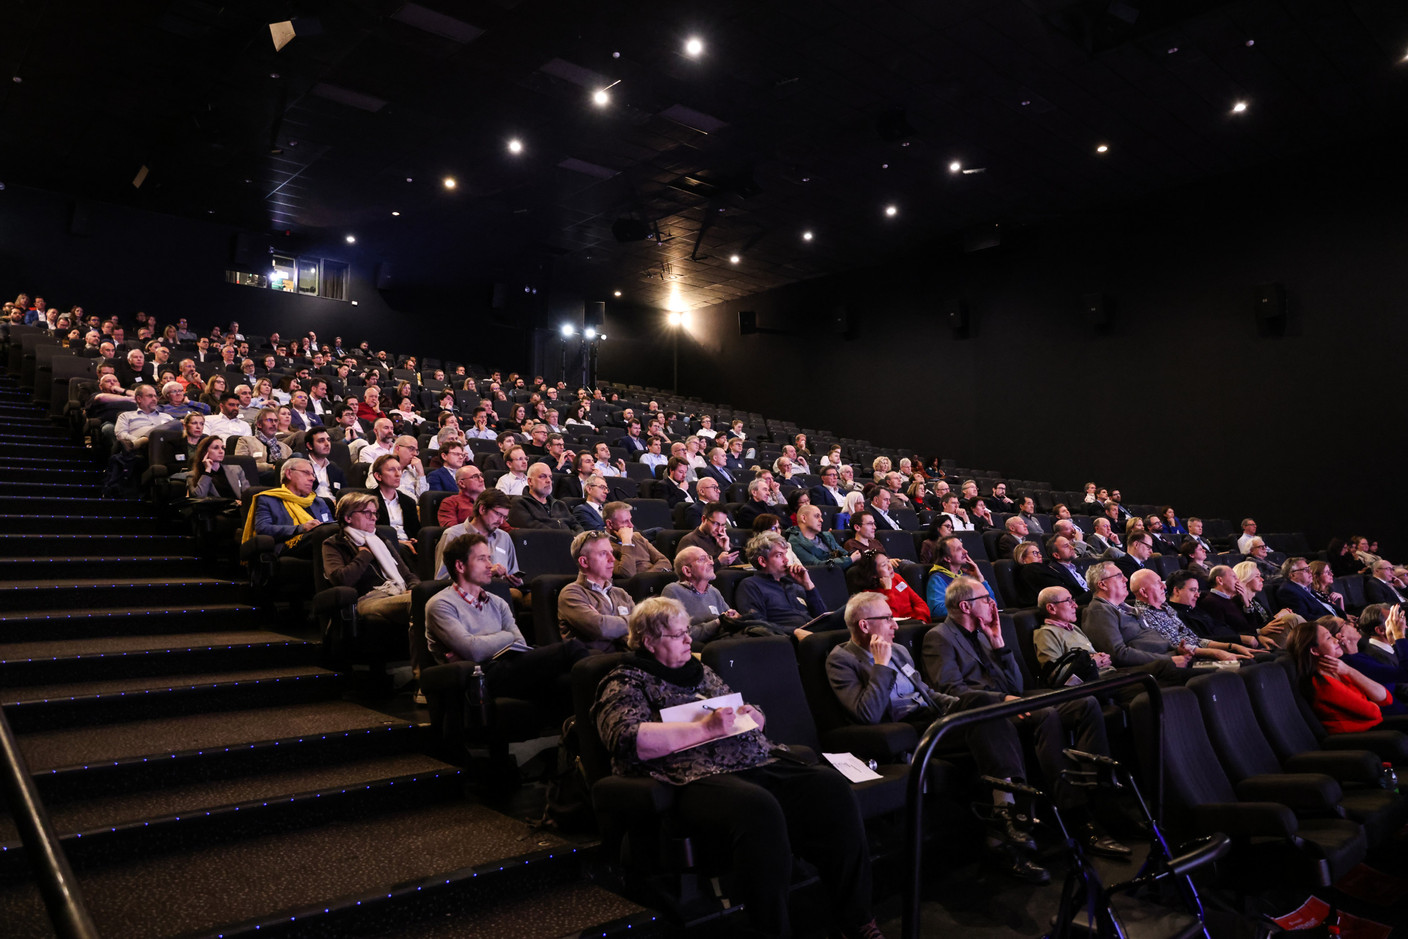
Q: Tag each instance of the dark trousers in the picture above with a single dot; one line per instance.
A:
(769, 812)
(541, 674)
(1051, 730)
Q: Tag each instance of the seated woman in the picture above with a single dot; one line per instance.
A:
(863, 539)
(263, 394)
(1345, 700)
(1342, 560)
(214, 391)
(795, 500)
(875, 573)
(1192, 556)
(210, 477)
(730, 784)
(918, 493)
(360, 558)
(1322, 579)
(1172, 524)
(939, 529)
(193, 431)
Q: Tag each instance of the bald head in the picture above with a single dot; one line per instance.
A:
(1146, 584)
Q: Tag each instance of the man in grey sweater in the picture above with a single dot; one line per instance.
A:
(695, 590)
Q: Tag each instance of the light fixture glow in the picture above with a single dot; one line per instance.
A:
(351, 239)
(450, 182)
(806, 236)
(892, 210)
(1103, 148)
(694, 46)
(955, 166)
(515, 146)
(616, 293)
(1239, 107)
(589, 332)
(734, 259)
(396, 214)
(600, 98)
(568, 330)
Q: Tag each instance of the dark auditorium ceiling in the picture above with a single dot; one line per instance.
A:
(798, 115)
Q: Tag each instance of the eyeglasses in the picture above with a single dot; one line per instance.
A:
(1065, 600)
(684, 634)
(977, 599)
(868, 619)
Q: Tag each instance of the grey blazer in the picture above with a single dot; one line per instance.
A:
(864, 688)
(957, 668)
(1117, 631)
(204, 487)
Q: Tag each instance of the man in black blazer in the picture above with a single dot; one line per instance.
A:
(1060, 571)
(880, 507)
(1379, 586)
(755, 506)
(1293, 593)
(395, 508)
(718, 470)
(588, 512)
(828, 491)
(1139, 547)
(632, 443)
(317, 445)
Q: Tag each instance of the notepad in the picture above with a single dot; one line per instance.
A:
(700, 710)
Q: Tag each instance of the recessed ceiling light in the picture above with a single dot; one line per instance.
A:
(1103, 148)
(409, 179)
(806, 236)
(616, 293)
(892, 210)
(693, 46)
(884, 166)
(1172, 50)
(1026, 103)
(450, 182)
(955, 167)
(351, 239)
(600, 98)
(1250, 43)
(734, 259)
(1239, 107)
(515, 146)
(396, 214)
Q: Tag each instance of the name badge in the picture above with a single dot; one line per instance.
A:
(336, 485)
(907, 669)
(623, 611)
(901, 586)
(713, 609)
(500, 552)
(180, 458)
(801, 601)
(323, 516)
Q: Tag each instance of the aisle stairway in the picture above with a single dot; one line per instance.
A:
(206, 775)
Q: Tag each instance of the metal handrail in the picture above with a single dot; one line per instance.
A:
(914, 798)
(57, 883)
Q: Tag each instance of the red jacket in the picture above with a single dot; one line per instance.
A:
(905, 602)
(1343, 708)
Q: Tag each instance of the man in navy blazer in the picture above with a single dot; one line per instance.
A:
(1379, 586)
(588, 511)
(272, 517)
(632, 443)
(1293, 593)
(718, 470)
(828, 491)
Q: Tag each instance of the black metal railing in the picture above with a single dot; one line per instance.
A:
(57, 884)
(914, 799)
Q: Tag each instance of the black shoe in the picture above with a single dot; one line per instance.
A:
(1011, 827)
(1097, 842)
(1014, 862)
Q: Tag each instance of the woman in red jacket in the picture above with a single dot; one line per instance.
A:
(875, 572)
(1345, 700)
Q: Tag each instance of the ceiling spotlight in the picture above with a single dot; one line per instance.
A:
(450, 182)
(1103, 148)
(694, 46)
(1250, 43)
(806, 236)
(1239, 107)
(616, 293)
(409, 179)
(734, 259)
(589, 332)
(567, 330)
(600, 98)
(397, 214)
(351, 239)
(1172, 50)
(955, 166)
(675, 318)
(892, 210)
(515, 146)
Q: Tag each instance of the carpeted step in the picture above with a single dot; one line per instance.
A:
(107, 829)
(32, 568)
(72, 475)
(71, 523)
(128, 545)
(91, 507)
(46, 461)
(90, 593)
(48, 489)
(294, 875)
(93, 659)
(39, 625)
(113, 701)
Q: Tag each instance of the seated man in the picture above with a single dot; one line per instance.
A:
(1114, 628)
(815, 547)
(1154, 613)
(605, 465)
(712, 536)
(1232, 604)
(1104, 541)
(406, 450)
(783, 597)
(288, 512)
(515, 481)
(590, 608)
(490, 511)
(134, 428)
(1001, 502)
(634, 553)
(876, 682)
(469, 485)
(466, 623)
(675, 482)
(709, 615)
(359, 558)
(1079, 546)
(828, 491)
(631, 442)
(1059, 633)
(967, 652)
(758, 491)
(1059, 571)
(383, 442)
(574, 484)
(718, 469)
(263, 445)
(1379, 583)
(498, 462)
(1015, 534)
(557, 457)
(452, 457)
(588, 512)
(1195, 533)
(706, 491)
(653, 457)
(317, 445)
(1294, 593)
(536, 508)
(1139, 548)
(879, 505)
(1383, 650)
(1244, 542)
(394, 507)
(953, 561)
(958, 515)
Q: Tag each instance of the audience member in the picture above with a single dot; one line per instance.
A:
(712, 536)
(590, 608)
(780, 595)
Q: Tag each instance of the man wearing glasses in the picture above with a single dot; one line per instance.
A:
(876, 682)
(1294, 593)
(290, 511)
(591, 608)
(967, 652)
(1115, 629)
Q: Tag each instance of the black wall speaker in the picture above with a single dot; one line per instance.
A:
(841, 321)
(747, 322)
(500, 298)
(595, 315)
(384, 278)
(956, 315)
(1270, 303)
(249, 253)
(1097, 309)
(79, 221)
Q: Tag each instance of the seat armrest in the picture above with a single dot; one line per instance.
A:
(1301, 792)
(632, 796)
(1347, 766)
(257, 547)
(1247, 819)
(883, 742)
(334, 599)
(1388, 745)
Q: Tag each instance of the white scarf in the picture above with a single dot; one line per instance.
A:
(384, 561)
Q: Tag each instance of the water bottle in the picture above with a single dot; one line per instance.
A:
(1388, 777)
(479, 689)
